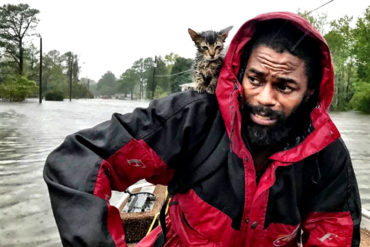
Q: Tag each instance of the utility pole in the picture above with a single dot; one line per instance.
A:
(153, 83)
(70, 78)
(40, 74)
(141, 80)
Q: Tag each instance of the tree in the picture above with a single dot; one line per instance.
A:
(17, 22)
(150, 71)
(75, 69)
(361, 99)
(17, 88)
(170, 60)
(162, 77)
(319, 21)
(71, 65)
(31, 59)
(340, 41)
(54, 76)
(107, 84)
(362, 46)
(127, 82)
(181, 73)
(142, 75)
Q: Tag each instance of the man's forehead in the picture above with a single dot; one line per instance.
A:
(266, 60)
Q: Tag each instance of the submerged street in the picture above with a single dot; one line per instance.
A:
(30, 131)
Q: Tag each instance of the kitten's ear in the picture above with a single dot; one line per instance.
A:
(225, 33)
(194, 36)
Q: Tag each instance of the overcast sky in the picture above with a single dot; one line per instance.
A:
(112, 34)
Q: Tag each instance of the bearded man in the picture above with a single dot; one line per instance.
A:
(258, 164)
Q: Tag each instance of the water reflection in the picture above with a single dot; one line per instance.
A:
(29, 132)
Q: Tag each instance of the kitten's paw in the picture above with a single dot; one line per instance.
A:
(200, 88)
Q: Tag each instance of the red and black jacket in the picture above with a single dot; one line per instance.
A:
(307, 192)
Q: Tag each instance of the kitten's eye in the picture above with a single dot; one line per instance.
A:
(205, 47)
(218, 47)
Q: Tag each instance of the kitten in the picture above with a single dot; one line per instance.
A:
(208, 60)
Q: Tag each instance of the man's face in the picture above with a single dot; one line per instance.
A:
(274, 85)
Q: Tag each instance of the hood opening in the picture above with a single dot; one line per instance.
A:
(278, 22)
(232, 70)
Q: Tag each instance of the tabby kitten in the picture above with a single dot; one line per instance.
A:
(208, 60)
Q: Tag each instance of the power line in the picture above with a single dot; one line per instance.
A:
(182, 72)
(309, 12)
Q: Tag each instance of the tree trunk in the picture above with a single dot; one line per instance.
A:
(348, 96)
(335, 103)
(20, 68)
(141, 88)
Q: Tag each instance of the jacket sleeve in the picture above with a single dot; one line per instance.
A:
(334, 209)
(146, 144)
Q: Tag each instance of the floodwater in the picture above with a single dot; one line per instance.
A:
(30, 131)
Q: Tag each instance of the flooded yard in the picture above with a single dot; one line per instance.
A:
(30, 131)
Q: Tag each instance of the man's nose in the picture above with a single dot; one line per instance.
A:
(267, 96)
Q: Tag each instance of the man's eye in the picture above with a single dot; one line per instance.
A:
(253, 80)
(284, 88)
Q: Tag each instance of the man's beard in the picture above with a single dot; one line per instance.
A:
(284, 131)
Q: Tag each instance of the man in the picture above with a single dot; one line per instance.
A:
(260, 164)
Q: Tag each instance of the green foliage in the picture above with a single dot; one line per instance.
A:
(319, 21)
(362, 46)
(56, 74)
(17, 22)
(127, 82)
(155, 78)
(107, 84)
(150, 80)
(71, 61)
(350, 49)
(81, 91)
(143, 70)
(361, 99)
(163, 71)
(54, 95)
(54, 79)
(340, 41)
(179, 76)
(17, 88)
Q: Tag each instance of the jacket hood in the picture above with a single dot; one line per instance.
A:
(230, 94)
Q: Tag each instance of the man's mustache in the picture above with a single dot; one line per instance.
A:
(265, 111)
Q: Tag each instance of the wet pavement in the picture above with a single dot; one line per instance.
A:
(29, 132)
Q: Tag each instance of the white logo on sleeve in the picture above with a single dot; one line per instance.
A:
(328, 236)
(136, 163)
